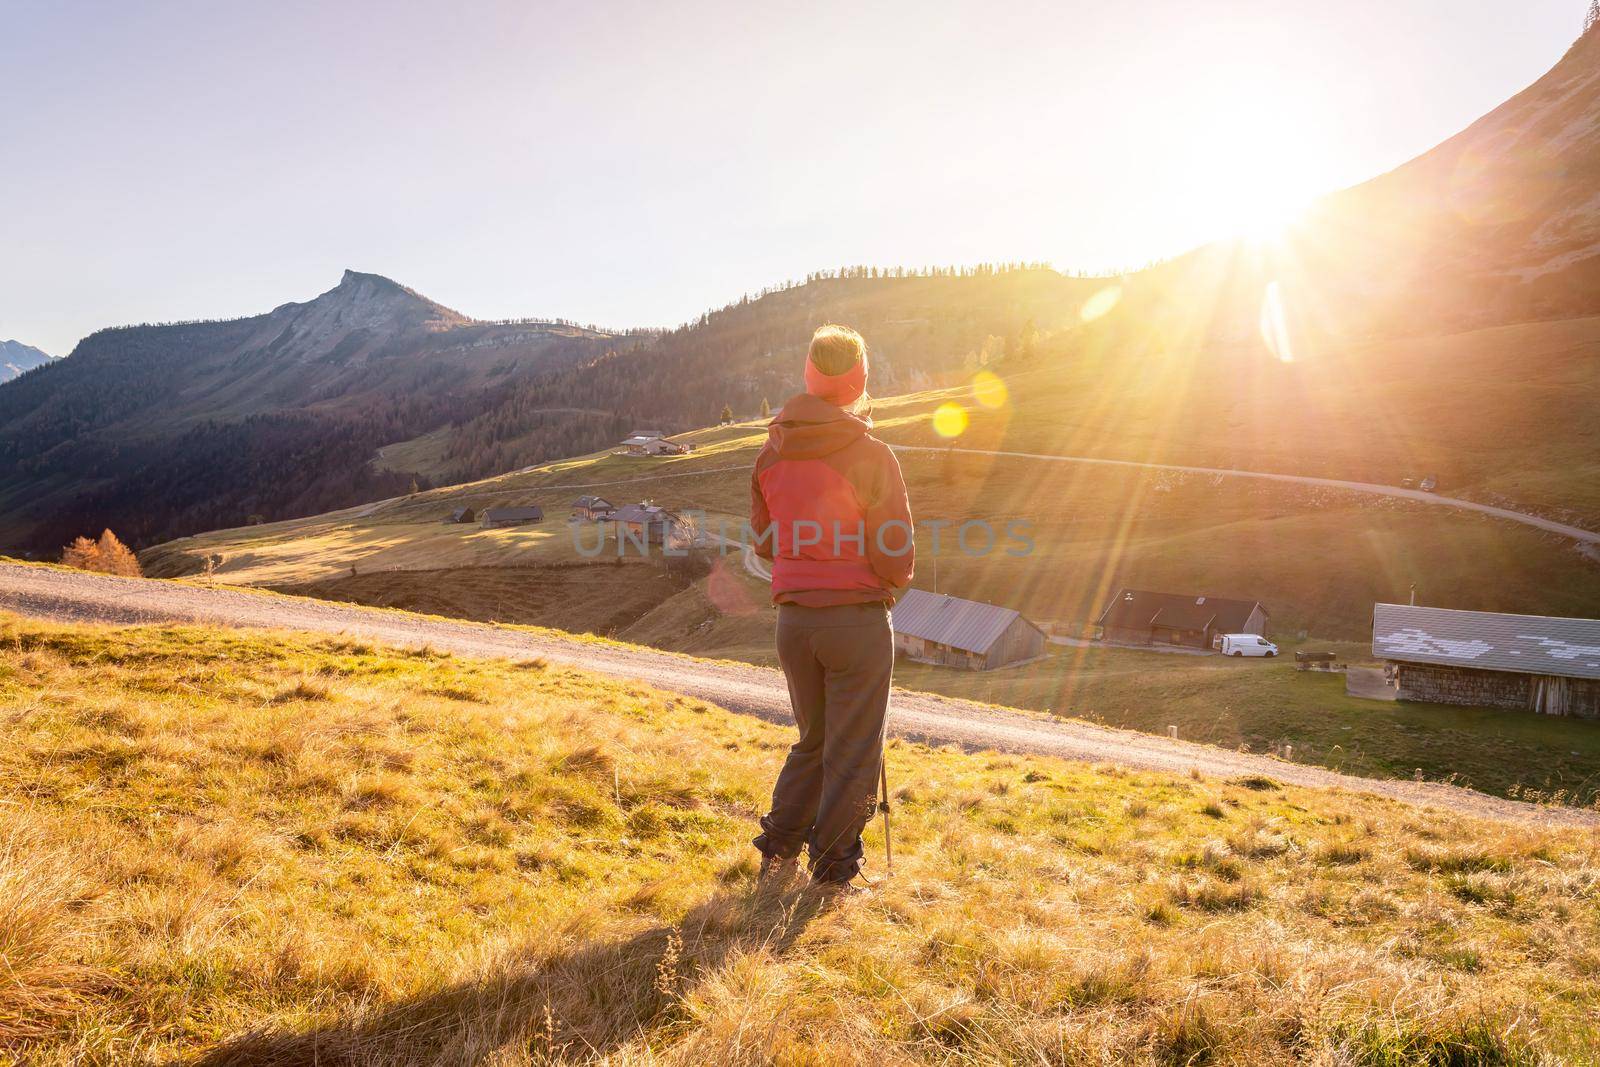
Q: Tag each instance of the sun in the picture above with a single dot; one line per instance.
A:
(1259, 214)
(1255, 198)
(1250, 166)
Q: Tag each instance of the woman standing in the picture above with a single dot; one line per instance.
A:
(828, 505)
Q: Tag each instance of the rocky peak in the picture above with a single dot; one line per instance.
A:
(373, 300)
(16, 357)
(367, 306)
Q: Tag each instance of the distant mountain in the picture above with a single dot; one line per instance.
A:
(16, 357)
(161, 430)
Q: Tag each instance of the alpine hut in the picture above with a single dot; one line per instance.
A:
(491, 518)
(592, 508)
(1139, 617)
(1488, 659)
(953, 632)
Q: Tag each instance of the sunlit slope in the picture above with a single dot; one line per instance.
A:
(1500, 223)
(239, 849)
(1507, 415)
(1497, 225)
(1318, 558)
(408, 533)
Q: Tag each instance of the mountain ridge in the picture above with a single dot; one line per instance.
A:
(138, 427)
(16, 359)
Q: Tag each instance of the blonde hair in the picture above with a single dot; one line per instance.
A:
(835, 348)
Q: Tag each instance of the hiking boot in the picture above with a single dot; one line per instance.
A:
(777, 871)
(833, 890)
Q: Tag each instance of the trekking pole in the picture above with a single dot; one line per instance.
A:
(888, 849)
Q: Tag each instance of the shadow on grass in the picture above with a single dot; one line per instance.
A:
(575, 1005)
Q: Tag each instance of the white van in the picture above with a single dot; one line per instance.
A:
(1246, 645)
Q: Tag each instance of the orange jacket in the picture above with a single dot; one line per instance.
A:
(828, 507)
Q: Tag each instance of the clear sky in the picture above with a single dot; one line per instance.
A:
(635, 164)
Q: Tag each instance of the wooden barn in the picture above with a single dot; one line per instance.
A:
(1140, 617)
(1487, 659)
(644, 524)
(947, 630)
(491, 518)
(592, 508)
(462, 515)
(642, 445)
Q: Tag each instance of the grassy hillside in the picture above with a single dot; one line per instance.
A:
(1261, 706)
(927, 327)
(406, 533)
(1502, 413)
(1317, 558)
(234, 848)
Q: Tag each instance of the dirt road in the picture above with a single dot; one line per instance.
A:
(64, 595)
(1585, 538)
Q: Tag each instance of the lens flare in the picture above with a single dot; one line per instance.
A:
(1275, 324)
(950, 420)
(1100, 303)
(988, 390)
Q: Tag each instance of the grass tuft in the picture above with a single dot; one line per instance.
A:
(303, 690)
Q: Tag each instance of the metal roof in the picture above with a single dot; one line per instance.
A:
(531, 512)
(947, 620)
(642, 513)
(1139, 608)
(1526, 644)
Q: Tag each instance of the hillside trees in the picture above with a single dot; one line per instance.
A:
(923, 328)
(106, 556)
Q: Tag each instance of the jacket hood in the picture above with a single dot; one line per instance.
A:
(809, 427)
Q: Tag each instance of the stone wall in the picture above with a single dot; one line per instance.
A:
(1583, 698)
(1489, 689)
(1462, 685)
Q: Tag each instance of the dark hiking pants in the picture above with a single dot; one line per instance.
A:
(838, 662)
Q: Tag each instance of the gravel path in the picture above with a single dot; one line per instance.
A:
(63, 595)
(1584, 538)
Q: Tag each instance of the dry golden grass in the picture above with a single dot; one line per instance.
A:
(251, 849)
